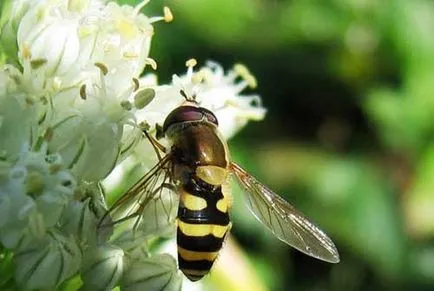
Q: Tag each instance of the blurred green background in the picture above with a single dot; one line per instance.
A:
(349, 134)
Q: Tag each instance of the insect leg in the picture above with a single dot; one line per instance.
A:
(155, 144)
(154, 195)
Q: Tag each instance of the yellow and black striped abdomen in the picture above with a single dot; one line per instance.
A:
(203, 222)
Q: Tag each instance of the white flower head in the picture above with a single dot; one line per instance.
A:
(65, 122)
(72, 106)
(213, 89)
(66, 38)
(34, 192)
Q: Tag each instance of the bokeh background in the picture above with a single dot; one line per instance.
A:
(349, 134)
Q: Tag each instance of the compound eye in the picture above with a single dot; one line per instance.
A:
(183, 114)
(209, 116)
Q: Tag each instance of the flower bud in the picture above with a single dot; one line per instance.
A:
(156, 273)
(102, 267)
(44, 264)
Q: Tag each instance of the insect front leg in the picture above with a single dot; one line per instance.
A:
(158, 147)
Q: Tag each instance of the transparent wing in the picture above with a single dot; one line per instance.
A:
(150, 205)
(284, 221)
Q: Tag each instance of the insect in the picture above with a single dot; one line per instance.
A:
(197, 168)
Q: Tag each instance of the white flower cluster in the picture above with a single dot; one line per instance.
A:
(71, 101)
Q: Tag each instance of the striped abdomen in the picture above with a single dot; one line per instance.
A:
(203, 223)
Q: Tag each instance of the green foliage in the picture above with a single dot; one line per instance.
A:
(359, 158)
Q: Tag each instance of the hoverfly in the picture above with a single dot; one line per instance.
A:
(197, 167)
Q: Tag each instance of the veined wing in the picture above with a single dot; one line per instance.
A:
(151, 200)
(284, 221)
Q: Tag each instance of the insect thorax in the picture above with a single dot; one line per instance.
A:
(199, 150)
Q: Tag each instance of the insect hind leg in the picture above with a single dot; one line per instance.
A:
(152, 200)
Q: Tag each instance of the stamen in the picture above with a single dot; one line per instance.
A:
(26, 52)
(241, 70)
(102, 67)
(140, 6)
(36, 64)
(240, 86)
(244, 73)
(151, 62)
(168, 16)
(83, 92)
(136, 84)
(190, 64)
(251, 81)
(155, 19)
(103, 72)
(176, 80)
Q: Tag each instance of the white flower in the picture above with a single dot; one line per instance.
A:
(66, 38)
(65, 121)
(213, 89)
(8, 29)
(72, 107)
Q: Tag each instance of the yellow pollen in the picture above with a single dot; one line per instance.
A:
(168, 16)
(191, 63)
(152, 63)
(241, 69)
(251, 81)
(26, 51)
(244, 73)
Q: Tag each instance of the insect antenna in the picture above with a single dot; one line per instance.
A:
(188, 98)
